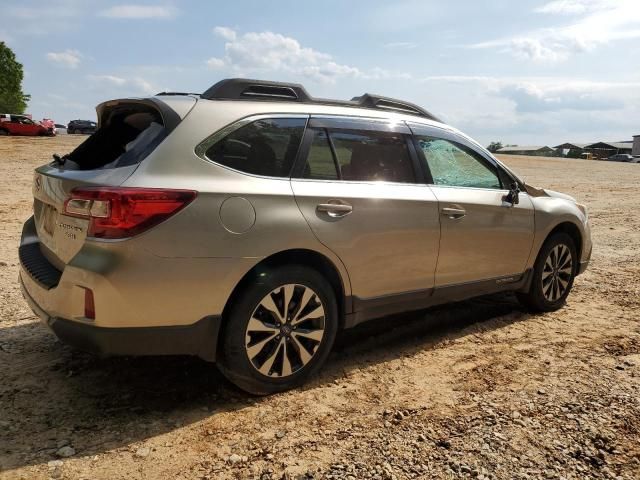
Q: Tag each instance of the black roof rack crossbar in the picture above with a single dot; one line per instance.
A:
(247, 89)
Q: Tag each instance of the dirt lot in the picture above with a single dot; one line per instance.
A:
(476, 389)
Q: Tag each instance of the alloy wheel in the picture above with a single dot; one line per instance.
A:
(285, 330)
(557, 272)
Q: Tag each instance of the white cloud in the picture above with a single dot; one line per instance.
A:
(602, 22)
(259, 52)
(108, 79)
(142, 85)
(537, 50)
(572, 7)
(135, 84)
(534, 110)
(68, 58)
(215, 63)
(225, 32)
(256, 52)
(529, 97)
(547, 94)
(139, 11)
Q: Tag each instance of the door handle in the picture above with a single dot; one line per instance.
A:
(453, 213)
(335, 209)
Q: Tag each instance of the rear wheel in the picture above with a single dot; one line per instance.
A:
(553, 274)
(4, 132)
(280, 331)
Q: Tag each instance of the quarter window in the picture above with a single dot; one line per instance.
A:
(265, 147)
(360, 156)
(452, 164)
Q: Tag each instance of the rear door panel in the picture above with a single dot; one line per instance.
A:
(388, 243)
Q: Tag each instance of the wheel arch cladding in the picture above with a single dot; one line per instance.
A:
(307, 258)
(573, 231)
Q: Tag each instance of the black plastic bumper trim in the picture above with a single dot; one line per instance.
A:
(37, 265)
(198, 339)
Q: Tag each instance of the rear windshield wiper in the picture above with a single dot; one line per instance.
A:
(60, 160)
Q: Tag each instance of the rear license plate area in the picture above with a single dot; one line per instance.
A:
(49, 215)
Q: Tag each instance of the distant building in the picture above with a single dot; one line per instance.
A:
(635, 150)
(606, 149)
(572, 150)
(539, 151)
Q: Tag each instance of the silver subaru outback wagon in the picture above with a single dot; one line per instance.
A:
(249, 224)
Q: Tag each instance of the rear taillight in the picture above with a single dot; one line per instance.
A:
(115, 212)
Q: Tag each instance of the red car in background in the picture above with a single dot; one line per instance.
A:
(23, 125)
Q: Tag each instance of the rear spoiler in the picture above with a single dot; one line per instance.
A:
(170, 118)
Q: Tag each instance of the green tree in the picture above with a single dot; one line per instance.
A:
(494, 146)
(12, 98)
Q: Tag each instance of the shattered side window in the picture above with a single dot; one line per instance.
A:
(450, 164)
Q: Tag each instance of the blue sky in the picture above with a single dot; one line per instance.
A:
(523, 72)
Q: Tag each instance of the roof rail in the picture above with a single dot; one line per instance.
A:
(369, 100)
(175, 93)
(247, 89)
(238, 88)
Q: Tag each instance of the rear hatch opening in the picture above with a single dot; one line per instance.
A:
(126, 134)
(128, 131)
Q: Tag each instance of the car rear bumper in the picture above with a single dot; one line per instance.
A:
(198, 339)
(132, 287)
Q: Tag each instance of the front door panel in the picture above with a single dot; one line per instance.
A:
(482, 237)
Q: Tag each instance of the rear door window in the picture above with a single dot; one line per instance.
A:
(321, 164)
(360, 156)
(266, 147)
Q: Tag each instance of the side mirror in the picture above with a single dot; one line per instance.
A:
(513, 196)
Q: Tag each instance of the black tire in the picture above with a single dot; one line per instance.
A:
(4, 132)
(70, 131)
(234, 361)
(535, 299)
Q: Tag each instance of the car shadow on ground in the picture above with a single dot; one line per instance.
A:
(52, 395)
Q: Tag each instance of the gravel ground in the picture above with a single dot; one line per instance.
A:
(478, 389)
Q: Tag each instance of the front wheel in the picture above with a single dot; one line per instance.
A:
(553, 274)
(280, 331)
